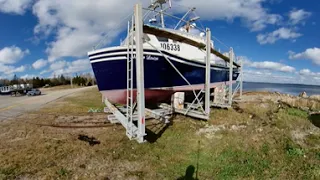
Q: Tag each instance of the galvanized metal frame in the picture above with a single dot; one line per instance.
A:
(227, 103)
(239, 87)
(140, 72)
(231, 56)
(192, 109)
(129, 115)
(208, 72)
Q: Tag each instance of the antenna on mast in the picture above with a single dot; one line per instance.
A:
(159, 4)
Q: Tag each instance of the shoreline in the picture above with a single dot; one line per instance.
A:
(310, 104)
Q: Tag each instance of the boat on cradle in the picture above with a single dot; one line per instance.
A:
(6, 89)
(166, 50)
(21, 88)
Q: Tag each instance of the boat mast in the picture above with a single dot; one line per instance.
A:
(159, 4)
(185, 15)
(162, 16)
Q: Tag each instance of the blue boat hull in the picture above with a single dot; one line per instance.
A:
(160, 78)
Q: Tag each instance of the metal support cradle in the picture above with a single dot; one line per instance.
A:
(133, 116)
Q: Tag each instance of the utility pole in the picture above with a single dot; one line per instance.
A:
(71, 79)
(71, 82)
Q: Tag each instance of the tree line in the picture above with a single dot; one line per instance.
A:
(37, 82)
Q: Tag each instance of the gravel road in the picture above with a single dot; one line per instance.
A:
(11, 107)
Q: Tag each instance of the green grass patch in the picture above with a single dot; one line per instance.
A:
(297, 112)
(235, 163)
(86, 99)
(312, 140)
(63, 173)
(82, 102)
(291, 118)
(9, 172)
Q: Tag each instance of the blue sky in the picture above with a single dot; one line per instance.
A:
(278, 39)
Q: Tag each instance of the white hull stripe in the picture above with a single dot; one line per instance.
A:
(154, 54)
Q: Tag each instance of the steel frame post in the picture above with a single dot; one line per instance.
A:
(208, 73)
(231, 57)
(241, 77)
(140, 72)
(128, 73)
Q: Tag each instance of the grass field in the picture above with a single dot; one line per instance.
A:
(262, 140)
(61, 87)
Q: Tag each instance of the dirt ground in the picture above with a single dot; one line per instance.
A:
(257, 139)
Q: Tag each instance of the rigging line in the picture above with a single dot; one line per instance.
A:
(146, 15)
(212, 36)
(186, 22)
(172, 17)
(194, 12)
(181, 75)
(202, 25)
(111, 30)
(220, 42)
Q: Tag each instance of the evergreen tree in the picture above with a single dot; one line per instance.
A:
(14, 80)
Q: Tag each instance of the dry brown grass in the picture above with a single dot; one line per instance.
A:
(260, 141)
(62, 87)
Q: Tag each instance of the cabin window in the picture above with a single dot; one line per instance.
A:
(162, 39)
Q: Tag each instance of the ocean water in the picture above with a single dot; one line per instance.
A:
(293, 89)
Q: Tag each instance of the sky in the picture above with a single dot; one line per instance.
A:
(278, 40)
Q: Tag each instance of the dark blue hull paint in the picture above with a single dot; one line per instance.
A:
(112, 75)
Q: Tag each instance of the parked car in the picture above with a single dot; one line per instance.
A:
(34, 92)
(46, 86)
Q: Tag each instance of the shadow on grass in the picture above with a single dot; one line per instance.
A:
(192, 171)
(155, 132)
(91, 140)
(189, 174)
(315, 119)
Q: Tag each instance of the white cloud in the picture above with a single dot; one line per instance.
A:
(267, 76)
(64, 67)
(308, 72)
(58, 65)
(44, 72)
(8, 69)
(39, 64)
(273, 66)
(28, 76)
(281, 33)
(80, 26)
(250, 11)
(256, 72)
(6, 76)
(305, 72)
(14, 6)
(78, 66)
(274, 77)
(298, 16)
(268, 65)
(11, 55)
(312, 54)
(312, 77)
